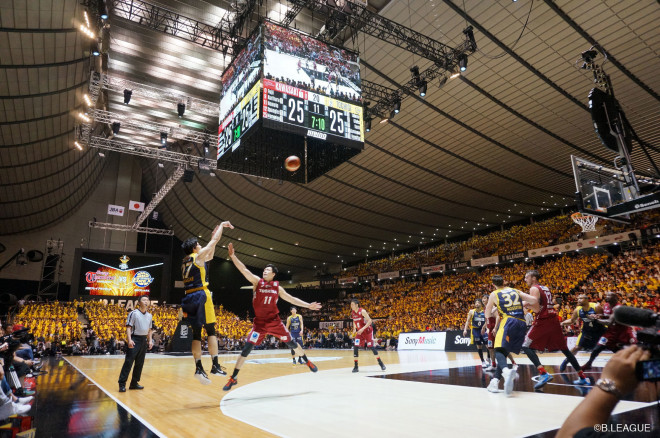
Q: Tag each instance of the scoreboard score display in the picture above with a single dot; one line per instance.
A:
(312, 114)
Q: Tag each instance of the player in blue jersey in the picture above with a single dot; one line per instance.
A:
(294, 324)
(592, 329)
(512, 329)
(198, 302)
(475, 321)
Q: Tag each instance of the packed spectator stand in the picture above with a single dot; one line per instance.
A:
(420, 303)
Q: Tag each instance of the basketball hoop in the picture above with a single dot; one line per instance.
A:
(586, 221)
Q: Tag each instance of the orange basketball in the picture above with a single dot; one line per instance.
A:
(292, 163)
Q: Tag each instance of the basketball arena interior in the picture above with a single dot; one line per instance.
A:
(459, 198)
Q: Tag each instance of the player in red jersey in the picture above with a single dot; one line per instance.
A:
(267, 320)
(363, 333)
(546, 333)
(617, 335)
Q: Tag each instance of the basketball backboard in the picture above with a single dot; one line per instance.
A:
(608, 192)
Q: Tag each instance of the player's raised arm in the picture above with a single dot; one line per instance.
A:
(241, 267)
(297, 301)
(206, 254)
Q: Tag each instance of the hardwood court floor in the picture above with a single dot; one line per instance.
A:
(422, 393)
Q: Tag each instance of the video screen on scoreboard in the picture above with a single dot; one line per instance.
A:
(311, 86)
(119, 274)
(241, 75)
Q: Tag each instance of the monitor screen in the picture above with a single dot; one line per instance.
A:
(119, 274)
(310, 87)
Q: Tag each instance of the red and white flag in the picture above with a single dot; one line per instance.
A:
(115, 210)
(136, 206)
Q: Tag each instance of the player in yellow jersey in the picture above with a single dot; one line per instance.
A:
(198, 302)
(512, 329)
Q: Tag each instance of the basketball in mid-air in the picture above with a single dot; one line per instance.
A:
(292, 163)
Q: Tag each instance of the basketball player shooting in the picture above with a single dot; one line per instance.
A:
(266, 292)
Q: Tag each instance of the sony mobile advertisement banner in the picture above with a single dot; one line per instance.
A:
(422, 341)
(585, 243)
(433, 269)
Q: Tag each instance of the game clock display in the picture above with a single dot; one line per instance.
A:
(312, 114)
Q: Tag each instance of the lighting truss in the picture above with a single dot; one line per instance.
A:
(111, 83)
(158, 154)
(120, 227)
(171, 182)
(291, 14)
(102, 116)
(357, 16)
(222, 37)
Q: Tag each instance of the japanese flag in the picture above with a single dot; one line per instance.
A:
(136, 206)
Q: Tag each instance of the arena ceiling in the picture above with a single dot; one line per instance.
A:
(489, 147)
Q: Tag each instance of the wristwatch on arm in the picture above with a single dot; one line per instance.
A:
(608, 385)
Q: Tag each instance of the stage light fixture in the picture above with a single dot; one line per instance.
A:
(463, 62)
(207, 148)
(161, 165)
(115, 128)
(367, 125)
(422, 88)
(84, 117)
(442, 81)
(101, 154)
(95, 49)
(397, 106)
(414, 71)
(103, 10)
(127, 96)
(88, 101)
(392, 114)
(163, 138)
(78, 145)
(181, 109)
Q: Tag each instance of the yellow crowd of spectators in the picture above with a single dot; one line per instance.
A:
(50, 320)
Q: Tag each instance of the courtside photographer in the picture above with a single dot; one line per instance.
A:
(620, 377)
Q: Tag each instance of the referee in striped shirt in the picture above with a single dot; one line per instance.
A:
(138, 335)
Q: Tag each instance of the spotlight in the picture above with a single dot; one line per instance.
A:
(462, 62)
(101, 154)
(422, 88)
(442, 82)
(84, 117)
(77, 145)
(392, 114)
(414, 71)
(115, 128)
(397, 106)
(127, 96)
(367, 125)
(95, 49)
(88, 101)
(207, 148)
(161, 165)
(103, 10)
(180, 109)
(163, 138)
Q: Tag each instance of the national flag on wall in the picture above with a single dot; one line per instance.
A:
(115, 210)
(136, 206)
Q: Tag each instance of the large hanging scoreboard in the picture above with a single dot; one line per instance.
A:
(288, 82)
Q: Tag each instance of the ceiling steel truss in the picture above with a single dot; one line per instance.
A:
(120, 227)
(180, 133)
(112, 83)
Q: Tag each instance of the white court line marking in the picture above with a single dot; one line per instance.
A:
(131, 411)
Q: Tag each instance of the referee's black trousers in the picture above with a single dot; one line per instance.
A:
(135, 354)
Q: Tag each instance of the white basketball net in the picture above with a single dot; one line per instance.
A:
(586, 221)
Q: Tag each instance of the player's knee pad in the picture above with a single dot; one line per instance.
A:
(197, 333)
(210, 329)
(292, 345)
(247, 349)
